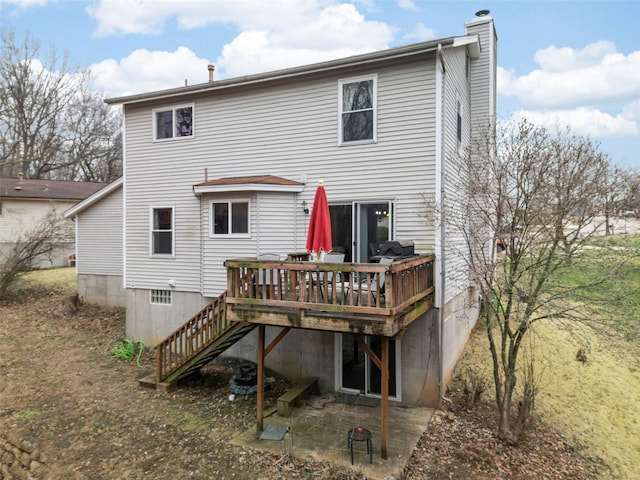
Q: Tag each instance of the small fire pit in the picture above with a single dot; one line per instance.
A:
(245, 382)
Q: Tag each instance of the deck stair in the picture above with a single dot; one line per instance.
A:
(200, 340)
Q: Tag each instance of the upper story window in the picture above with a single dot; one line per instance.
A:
(173, 122)
(162, 231)
(357, 109)
(230, 217)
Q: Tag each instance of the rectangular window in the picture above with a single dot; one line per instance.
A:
(173, 122)
(357, 109)
(161, 297)
(230, 217)
(162, 231)
(459, 123)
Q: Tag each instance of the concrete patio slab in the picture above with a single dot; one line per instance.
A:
(319, 430)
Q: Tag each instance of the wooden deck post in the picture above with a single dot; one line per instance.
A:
(260, 393)
(384, 393)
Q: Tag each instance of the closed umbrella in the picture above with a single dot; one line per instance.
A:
(319, 234)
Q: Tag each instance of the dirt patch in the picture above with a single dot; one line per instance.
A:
(84, 413)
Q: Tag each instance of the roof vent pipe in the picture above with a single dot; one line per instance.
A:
(482, 13)
(211, 68)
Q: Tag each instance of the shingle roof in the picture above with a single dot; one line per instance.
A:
(255, 179)
(46, 189)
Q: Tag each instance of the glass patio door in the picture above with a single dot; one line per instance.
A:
(373, 225)
(356, 371)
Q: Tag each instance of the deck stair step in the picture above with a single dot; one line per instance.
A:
(197, 342)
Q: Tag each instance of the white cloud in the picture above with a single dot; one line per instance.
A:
(408, 5)
(631, 111)
(144, 71)
(572, 78)
(584, 121)
(554, 59)
(421, 33)
(273, 35)
(336, 31)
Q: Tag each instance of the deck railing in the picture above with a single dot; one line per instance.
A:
(366, 288)
(191, 338)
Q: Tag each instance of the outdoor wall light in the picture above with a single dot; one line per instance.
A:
(305, 208)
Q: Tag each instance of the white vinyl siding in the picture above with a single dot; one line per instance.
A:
(456, 102)
(288, 130)
(99, 237)
(483, 75)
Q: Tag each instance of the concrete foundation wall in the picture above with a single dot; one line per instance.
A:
(102, 290)
(153, 323)
(420, 362)
(303, 353)
(460, 314)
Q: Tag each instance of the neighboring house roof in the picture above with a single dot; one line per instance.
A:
(471, 41)
(97, 196)
(256, 183)
(19, 188)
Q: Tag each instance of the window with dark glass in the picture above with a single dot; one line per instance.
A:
(162, 231)
(459, 124)
(173, 122)
(357, 110)
(230, 218)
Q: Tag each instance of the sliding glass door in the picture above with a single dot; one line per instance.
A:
(357, 373)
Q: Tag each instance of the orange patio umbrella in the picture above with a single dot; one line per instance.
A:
(319, 234)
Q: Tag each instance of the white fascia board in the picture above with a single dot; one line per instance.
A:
(247, 187)
(472, 42)
(91, 199)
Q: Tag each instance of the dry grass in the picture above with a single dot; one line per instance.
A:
(62, 280)
(595, 403)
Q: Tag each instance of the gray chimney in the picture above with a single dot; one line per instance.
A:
(211, 68)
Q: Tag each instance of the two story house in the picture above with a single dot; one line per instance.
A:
(228, 169)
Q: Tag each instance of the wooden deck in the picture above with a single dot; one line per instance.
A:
(367, 298)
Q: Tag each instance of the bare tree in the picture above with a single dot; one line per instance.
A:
(93, 139)
(51, 125)
(540, 197)
(50, 234)
(618, 194)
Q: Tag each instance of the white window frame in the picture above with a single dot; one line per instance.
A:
(374, 108)
(173, 109)
(173, 231)
(157, 297)
(230, 203)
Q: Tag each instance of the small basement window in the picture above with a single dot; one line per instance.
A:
(161, 297)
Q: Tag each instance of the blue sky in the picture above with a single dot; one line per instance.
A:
(562, 62)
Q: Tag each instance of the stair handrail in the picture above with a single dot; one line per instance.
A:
(191, 338)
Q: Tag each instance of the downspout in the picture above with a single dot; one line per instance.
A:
(440, 324)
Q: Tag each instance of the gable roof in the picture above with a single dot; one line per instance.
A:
(255, 183)
(374, 58)
(94, 198)
(25, 188)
